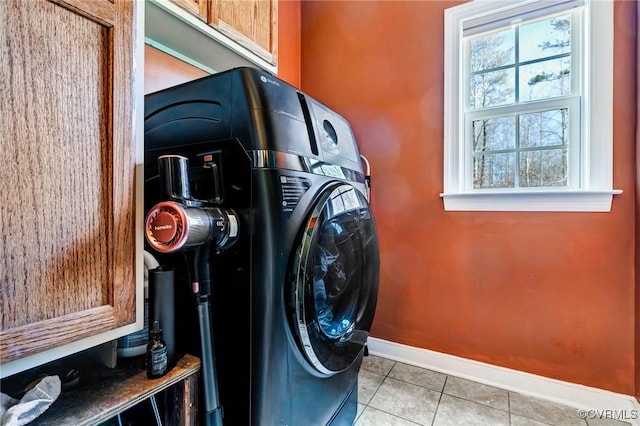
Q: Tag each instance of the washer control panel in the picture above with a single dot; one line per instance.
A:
(292, 189)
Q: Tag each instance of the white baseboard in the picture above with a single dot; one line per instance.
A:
(574, 395)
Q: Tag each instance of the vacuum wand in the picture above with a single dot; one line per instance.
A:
(201, 285)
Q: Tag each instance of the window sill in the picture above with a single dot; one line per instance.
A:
(531, 201)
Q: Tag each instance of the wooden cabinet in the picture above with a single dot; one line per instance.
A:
(198, 8)
(252, 24)
(68, 123)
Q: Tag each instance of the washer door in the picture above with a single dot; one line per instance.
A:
(335, 279)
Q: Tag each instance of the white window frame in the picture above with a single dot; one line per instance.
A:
(593, 190)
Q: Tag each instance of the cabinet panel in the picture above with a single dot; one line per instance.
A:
(251, 23)
(67, 251)
(198, 8)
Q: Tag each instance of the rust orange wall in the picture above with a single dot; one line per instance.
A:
(289, 41)
(162, 70)
(637, 192)
(547, 293)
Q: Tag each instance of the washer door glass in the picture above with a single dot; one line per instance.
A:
(335, 279)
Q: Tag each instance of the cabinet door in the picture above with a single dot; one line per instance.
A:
(67, 247)
(251, 23)
(198, 8)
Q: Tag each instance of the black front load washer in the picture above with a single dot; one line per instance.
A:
(294, 298)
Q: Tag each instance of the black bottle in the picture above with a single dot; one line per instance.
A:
(156, 353)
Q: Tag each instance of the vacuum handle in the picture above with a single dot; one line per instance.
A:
(174, 177)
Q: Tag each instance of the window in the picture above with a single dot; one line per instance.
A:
(528, 106)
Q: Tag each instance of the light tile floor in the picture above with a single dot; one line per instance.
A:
(391, 393)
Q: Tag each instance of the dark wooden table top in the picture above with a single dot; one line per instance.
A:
(105, 392)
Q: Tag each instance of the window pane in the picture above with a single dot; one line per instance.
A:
(545, 38)
(546, 128)
(488, 51)
(544, 168)
(492, 89)
(546, 79)
(494, 134)
(494, 171)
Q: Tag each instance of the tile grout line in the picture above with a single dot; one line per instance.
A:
(509, 407)
(435, 413)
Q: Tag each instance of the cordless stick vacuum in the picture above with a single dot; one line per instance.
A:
(184, 224)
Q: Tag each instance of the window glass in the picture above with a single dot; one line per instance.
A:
(546, 128)
(493, 134)
(492, 50)
(543, 168)
(503, 154)
(494, 170)
(494, 88)
(545, 38)
(543, 80)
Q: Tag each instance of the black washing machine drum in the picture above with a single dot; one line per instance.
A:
(335, 279)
